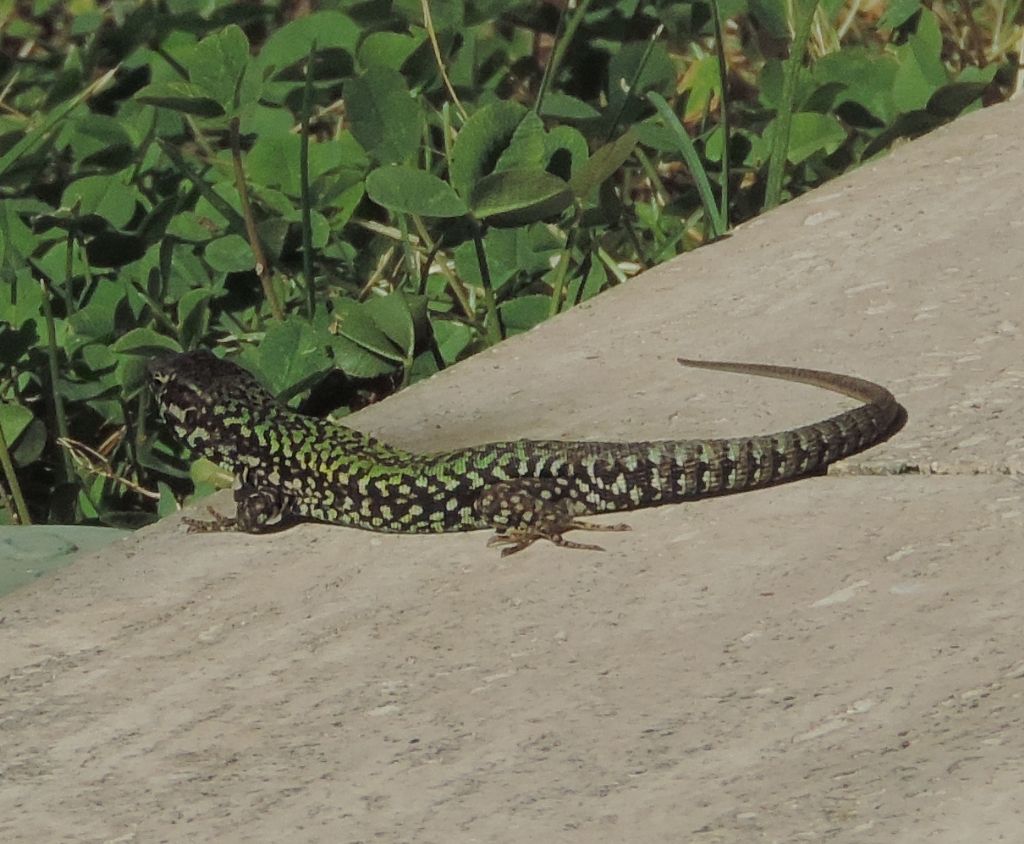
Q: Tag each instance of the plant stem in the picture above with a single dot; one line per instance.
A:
(455, 284)
(804, 16)
(562, 269)
(156, 309)
(235, 223)
(428, 23)
(560, 50)
(723, 81)
(628, 94)
(54, 365)
(307, 212)
(21, 508)
(495, 329)
(262, 266)
(69, 269)
(408, 252)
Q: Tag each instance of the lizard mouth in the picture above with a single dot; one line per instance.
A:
(160, 379)
(159, 367)
(165, 381)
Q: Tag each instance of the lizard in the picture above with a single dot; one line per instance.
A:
(289, 467)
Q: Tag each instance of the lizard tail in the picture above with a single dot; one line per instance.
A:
(887, 416)
(736, 464)
(855, 388)
(624, 476)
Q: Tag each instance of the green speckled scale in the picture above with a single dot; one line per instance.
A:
(291, 467)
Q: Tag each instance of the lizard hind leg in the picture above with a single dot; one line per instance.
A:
(527, 509)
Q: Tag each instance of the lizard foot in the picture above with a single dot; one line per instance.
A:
(217, 525)
(257, 510)
(518, 539)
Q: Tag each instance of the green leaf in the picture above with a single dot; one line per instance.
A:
(383, 117)
(656, 72)
(391, 315)
(867, 79)
(453, 339)
(273, 161)
(921, 71)
(481, 142)
(508, 253)
(14, 420)
(518, 197)
(231, 253)
(702, 83)
(108, 196)
(563, 107)
(772, 16)
(97, 318)
(328, 65)
(447, 15)
(167, 504)
(218, 64)
(354, 322)
(30, 444)
(565, 151)
(95, 388)
(526, 147)
(524, 312)
(602, 164)
(97, 357)
(595, 281)
(194, 315)
(387, 49)
(207, 474)
(897, 13)
(187, 225)
(21, 301)
(143, 341)
(291, 352)
(17, 241)
(810, 133)
(345, 204)
(357, 360)
(413, 191)
(94, 136)
(320, 229)
(291, 43)
(180, 96)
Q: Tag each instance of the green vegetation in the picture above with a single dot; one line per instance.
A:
(355, 198)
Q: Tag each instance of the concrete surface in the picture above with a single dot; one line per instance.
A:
(835, 660)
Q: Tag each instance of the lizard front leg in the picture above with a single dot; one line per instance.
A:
(527, 509)
(257, 510)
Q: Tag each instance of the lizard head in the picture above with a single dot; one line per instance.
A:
(191, 379)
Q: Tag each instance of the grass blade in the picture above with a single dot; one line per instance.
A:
(693, 162)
